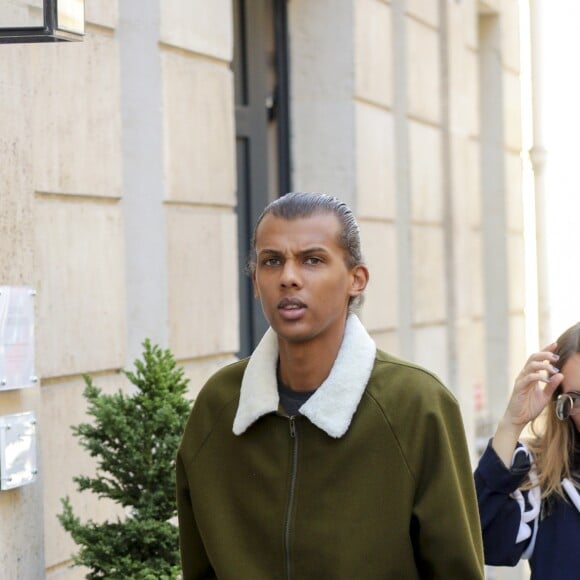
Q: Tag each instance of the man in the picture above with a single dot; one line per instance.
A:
(321, 457)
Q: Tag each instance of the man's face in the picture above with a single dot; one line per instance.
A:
(301, 276)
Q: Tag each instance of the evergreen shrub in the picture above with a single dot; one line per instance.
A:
(134, 439)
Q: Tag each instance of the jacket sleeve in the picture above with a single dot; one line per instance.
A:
(445, 525)
(195, 563)
(508, 516)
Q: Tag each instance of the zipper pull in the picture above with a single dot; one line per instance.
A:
(292, 428)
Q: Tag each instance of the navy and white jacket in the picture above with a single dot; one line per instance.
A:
(518, 524)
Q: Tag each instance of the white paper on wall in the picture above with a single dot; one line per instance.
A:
(17, 365)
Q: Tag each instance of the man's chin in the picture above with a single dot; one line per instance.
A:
(292, 332)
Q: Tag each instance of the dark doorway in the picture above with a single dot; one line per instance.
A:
(262, 134)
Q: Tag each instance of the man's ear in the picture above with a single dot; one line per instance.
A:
(255, 286)
(360, 279)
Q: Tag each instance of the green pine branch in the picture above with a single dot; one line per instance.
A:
(134, 439)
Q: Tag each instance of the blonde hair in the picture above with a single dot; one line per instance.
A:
(552, 442)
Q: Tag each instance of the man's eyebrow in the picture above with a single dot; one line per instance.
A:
(314, 249)
(311, 250)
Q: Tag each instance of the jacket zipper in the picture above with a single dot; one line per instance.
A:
(294, 467)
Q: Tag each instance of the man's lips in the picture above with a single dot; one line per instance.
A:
(291, 309)
(291, 304)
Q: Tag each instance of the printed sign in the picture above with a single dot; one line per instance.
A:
(17, 450)
(16, 337)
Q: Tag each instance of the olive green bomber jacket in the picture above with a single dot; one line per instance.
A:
(372, 480)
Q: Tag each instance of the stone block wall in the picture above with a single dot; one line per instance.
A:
(425, 180)
(118, 202)
(118, 207)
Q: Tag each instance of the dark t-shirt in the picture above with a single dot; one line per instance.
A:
(291, 400)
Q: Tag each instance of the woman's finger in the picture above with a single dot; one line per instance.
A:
(553, 383)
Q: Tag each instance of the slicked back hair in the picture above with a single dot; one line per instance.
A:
(305, 204)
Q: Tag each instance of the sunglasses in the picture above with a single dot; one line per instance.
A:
(567, 404)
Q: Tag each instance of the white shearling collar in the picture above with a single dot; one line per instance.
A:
(332, 405)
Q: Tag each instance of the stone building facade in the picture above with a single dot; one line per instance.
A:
(132, 166)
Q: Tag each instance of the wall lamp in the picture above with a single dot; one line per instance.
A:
(24, 21)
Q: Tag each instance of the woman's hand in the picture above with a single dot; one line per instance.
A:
(533, 390)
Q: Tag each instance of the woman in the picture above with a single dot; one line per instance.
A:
(527, 490)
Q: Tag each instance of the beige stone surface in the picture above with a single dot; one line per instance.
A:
(381, 297)
(16, 200)
(431, 350)
(387, 341)
(373, 52)
(463, 23)
(60, 112)
(19, 400)
(199, 127)
(510, 34)
(79, 279)
(426, 172)
(375, 161)
(468, 274)
(471, 376)
(322, 38)
(63, 406)
(21, 13)
(490, 6)
(466, 180)
(67, 572)
(520, 351)
(198, 25)
(77, 118)
(423, 70)
(199, 371)
(21, 554)
(322, 89)
(429, 276)
(512, 111)
(316, 134)
(466, 212)
(103, 12)
(203, 283)
(516, 267)
(425, 10)
(21, 537)
(513, 192)
(464, 108)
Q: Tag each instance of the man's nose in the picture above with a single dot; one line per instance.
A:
(290, 274)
